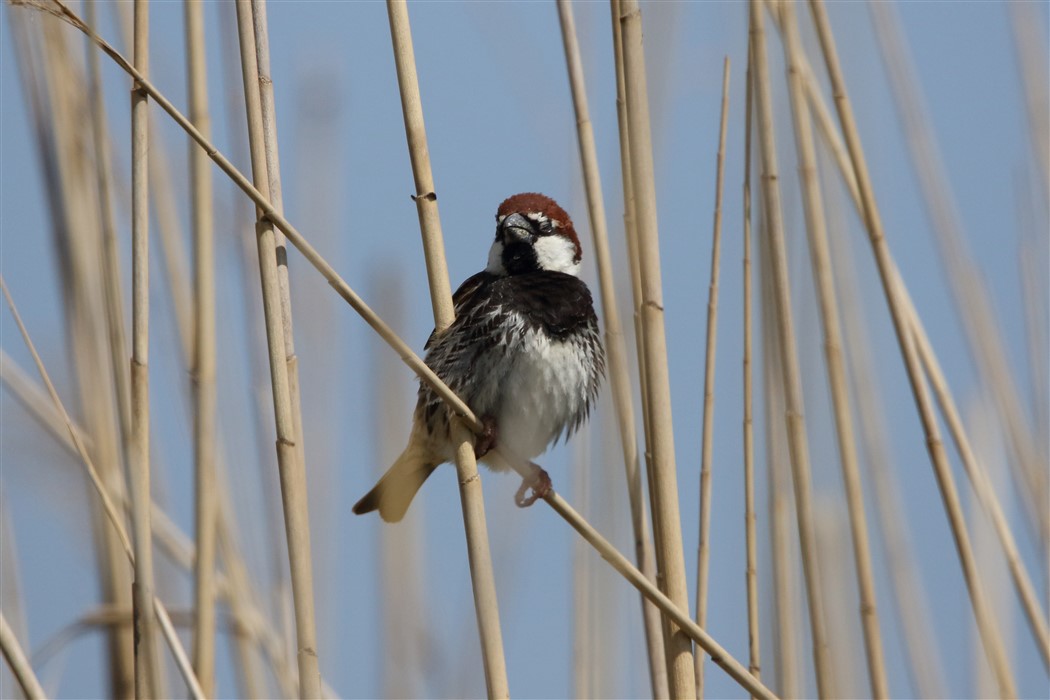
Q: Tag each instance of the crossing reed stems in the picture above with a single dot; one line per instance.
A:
(471, 497)
(615, 345)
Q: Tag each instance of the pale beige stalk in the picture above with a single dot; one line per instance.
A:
(910, 601)
(986, 625)
(18, 663)
(1027, 21)
(147, 661)
(482, 579)
(798, 447)
(789, 673)
(820, 259)
(969, 292)
(670, 557)
(707, 439)
(111, 279)
(750, 520)
(291, 468)
(203, 364)
(615, 345)
(654, 632)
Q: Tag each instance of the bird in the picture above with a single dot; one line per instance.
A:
(524, 352)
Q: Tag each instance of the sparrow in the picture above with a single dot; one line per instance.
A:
(524, 353)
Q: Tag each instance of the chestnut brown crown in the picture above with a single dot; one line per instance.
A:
(534, 204)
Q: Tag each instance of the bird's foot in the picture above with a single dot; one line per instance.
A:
(540, 483)
(487, 440)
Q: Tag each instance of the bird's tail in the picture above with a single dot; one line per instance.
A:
(395, 490)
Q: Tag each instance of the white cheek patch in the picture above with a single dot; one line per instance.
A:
(556, 254)
(495, 264)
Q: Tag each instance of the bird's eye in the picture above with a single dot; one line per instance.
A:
(544, 226)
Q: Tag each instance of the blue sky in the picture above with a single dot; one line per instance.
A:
(500, 121)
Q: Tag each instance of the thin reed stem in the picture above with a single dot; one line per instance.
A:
(820, 260)
(291, 468)
(471, 497)
(147, 671)
(798, 447)
(707, 439)
(750, 520)
(670, 557)
(203, 366)
(18, 663)
(615, 345)
(985, 623)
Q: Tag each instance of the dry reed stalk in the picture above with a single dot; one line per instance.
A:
(615, 345)
(18, 663)
(110, 509)
(907, 591)
(273, 169)
(670, 557)
(654, 633)
(798, 447)
(820, 259)
(584, 647)
(788, 669)
(969, 292)
(291, 467)
(147, 662)
(982, 487)
(750, 520)
(111, 281)
(707, 439)
(203, 364)
(989, 634)
(471, 496)
(386, 333)
(1031, 58)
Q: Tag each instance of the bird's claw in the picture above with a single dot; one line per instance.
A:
(487, 440)
(539, 482)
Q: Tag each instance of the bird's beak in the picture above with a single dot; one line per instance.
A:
(516, 228)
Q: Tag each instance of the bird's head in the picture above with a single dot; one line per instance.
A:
(533, 233)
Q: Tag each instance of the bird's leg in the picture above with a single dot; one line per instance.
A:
(540, 483)
(487, 440)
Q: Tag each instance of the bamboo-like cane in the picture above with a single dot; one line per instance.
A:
(967, 285)
(471, 496)
(908, 594)
(204, 427)
(820, 259)
(750, 521)
(707, 439)
(386, 333)
(986, 625)
(110, 509)
(292, 469)
(797, 442)
(654, 626)
(615, 346)
(18, 663)
(670, 557)
(147, 671)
